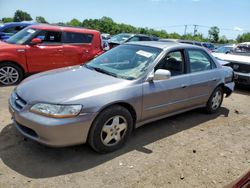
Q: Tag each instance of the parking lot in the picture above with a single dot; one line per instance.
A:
(188, 150)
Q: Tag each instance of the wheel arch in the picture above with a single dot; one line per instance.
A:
(226, 90)
(15, 63)
(126, 105)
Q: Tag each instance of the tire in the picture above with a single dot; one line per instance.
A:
(10, 74)
(111, 129)
(215, 101)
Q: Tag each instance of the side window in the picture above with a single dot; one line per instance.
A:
(174, 62)
(145, 39)
(70, 37)
(199, 61)
(135, 38)
(50, 37)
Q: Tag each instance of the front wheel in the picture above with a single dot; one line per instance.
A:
(215, 100)
(111, 129)
(10, 74)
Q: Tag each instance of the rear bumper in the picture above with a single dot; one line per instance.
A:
(242, 78)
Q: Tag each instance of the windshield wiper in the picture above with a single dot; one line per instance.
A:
(103, 71)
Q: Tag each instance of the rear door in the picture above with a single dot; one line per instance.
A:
(47, 55)
(204, 76)
(77, 48)
(162, 97)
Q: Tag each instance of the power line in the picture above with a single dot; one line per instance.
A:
(202, 26)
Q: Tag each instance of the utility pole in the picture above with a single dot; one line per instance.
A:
(185, 30)
(195, 29)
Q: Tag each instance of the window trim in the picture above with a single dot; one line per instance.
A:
(46, 44)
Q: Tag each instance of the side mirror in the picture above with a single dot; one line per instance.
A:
(35, 41)
(160, 74)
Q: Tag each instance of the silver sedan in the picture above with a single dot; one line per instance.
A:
(101, 102)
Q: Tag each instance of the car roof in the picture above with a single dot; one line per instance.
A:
(180, 40)
(17, 23)
(164, 45)
(231, 46)
(62, 28)
(134, 34)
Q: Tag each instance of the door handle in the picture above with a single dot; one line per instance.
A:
(214, 80)
(183, 86)
(59, 50)
(20, 50)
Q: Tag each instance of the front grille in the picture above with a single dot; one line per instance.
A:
(17, 102)
(240, 67)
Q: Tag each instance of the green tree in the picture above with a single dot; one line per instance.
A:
(75, 23)
(41, 19)
(223, 40)
(21, 16)
(245, 37)
(7, 19)
(213, 34)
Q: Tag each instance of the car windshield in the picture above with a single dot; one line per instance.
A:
(223, 49)
(125, 61)
(22, 36)
(120, 38)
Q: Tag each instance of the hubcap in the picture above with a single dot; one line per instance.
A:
(8, 75)
(114, 130)
(216, 100)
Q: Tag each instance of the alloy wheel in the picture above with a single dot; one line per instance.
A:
(216, 100)
(114, 130)
(8, 75)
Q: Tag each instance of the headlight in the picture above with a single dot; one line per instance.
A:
(55, 110)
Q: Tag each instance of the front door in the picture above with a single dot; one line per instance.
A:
(47, 55)
(167, 96)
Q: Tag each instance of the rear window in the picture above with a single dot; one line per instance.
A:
(70, 37)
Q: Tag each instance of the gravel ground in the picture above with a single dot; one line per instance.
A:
(188, 150)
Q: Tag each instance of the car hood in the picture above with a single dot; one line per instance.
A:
(5, 45)
(232, 57)
(67, 85)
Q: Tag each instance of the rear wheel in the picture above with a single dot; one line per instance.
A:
(111, 129)
(215, 100)
(10, 74)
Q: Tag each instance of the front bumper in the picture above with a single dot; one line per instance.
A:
(52, 131)
(229, 88)
(242, 78)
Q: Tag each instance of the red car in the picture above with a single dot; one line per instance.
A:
(43, 47)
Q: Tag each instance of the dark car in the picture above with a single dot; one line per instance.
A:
(129, 37)
(208, 45)
(9, 29)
